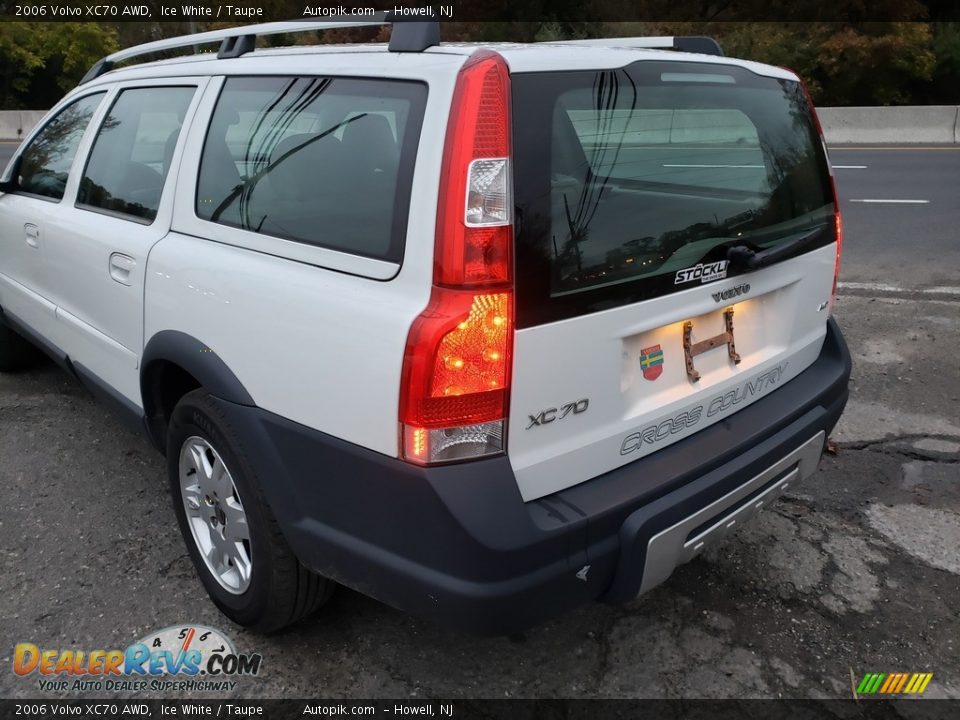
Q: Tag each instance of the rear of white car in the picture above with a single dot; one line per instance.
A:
(627, 348)
(663, 184)
(487, 333)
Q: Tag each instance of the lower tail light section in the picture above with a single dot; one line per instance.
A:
(457, 377)
(838, 223)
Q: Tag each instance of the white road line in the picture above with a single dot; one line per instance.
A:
(877, 287)
(714, 166)
(884, 288)
(849, 167)
(901, 202)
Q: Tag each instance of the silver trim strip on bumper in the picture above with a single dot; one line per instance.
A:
(674, 546)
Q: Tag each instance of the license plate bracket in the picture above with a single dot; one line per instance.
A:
(692, 349)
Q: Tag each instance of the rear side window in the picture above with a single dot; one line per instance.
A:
(650, 170)
(45, 164)
(323, 161)
(132, 152)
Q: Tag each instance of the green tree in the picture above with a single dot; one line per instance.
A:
(945, 83)
(40, 61)
(875, 63)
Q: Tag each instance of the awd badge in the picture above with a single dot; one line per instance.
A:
(651, 362)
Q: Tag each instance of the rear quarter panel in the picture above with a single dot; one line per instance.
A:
(321, 346)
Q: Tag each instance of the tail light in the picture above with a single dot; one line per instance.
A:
(456, 371)
(837, 220)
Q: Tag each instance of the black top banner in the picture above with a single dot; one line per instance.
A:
(471, 11)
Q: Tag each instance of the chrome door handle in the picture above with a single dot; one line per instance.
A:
(32, 233)
(120, 267)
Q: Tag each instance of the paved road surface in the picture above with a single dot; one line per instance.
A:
(856, 570)
(914, 245)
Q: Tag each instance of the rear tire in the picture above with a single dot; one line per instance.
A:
(16, 353)
(236, 545)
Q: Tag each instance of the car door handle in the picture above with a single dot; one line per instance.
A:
(32, 233)
(120, 267)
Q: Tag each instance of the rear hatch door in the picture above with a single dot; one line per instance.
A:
(676, 246)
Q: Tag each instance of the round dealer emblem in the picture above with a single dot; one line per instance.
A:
(184, 638)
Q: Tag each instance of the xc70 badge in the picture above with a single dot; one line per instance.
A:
(545, 417)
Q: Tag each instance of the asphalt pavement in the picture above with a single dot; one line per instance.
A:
(854, 571)
(908, 244)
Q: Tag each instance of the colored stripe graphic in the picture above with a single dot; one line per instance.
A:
(903, 681)
(918, 683)
(654, 359)
(894, 683)
(870, 683)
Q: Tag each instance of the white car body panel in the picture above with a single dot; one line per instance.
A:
(314, 335)
(26, 269)
(101, 319)
(780, 322)
(319, 347)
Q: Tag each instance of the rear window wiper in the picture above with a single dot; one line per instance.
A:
(745, 257)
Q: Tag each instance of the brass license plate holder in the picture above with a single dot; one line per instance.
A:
(692, 349)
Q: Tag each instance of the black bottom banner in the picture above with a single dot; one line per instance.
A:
(487, 709)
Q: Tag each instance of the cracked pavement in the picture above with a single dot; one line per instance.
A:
(856, 570)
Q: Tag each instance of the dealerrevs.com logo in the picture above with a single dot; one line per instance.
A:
(180, 658)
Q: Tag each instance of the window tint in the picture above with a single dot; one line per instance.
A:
(133, 150)
(624, 178)
(325, 161)
(45, 164)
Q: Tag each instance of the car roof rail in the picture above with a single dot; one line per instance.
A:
(682, 43)
(407, 36)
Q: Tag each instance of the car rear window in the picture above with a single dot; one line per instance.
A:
(323, 161)
(648, 172)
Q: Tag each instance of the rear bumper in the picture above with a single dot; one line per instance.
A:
(458, 545)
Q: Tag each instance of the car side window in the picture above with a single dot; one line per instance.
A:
(132, 152)
(322, 161)
(45, 163)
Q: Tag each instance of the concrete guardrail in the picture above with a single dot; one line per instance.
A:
(907, 124)
(15, 124)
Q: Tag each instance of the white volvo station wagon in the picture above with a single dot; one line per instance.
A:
(486, 332)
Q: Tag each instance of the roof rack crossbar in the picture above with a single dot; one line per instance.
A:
(408, 36)
(684, 43)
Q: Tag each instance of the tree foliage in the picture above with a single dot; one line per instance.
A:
(905, 59)
(39, 61)
(844, 64)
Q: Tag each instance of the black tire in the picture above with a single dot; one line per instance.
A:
(16, 353)
(281, 591)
